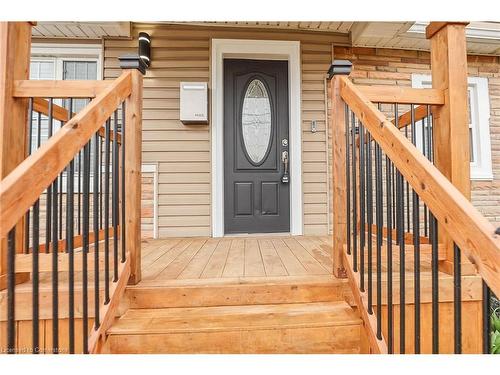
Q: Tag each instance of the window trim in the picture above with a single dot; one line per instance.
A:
(481, 168)
(60, 52)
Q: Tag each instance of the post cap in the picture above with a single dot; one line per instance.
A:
(130, 61)
(343, 67)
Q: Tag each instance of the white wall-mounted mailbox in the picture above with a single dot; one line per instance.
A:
(194, 102)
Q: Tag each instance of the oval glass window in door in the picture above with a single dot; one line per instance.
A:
(256, 121)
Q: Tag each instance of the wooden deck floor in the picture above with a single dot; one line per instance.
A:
(233, 257)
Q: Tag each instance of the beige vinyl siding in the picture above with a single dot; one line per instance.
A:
(183, 152)
(316, 59)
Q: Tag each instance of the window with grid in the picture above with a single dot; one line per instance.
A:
(479, 123)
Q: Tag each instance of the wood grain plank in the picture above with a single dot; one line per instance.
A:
(59, 89)
(174, 269)
(290, 261)
(316, 252)
(235, 263)
(215, 266)
(253, 259)
(310, 264)
(195, 268)
(161, 263)
(272, 262)
(402, 95)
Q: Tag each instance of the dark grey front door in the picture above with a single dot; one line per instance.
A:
(256, 172)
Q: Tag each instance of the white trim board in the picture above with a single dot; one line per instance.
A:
(265, 50)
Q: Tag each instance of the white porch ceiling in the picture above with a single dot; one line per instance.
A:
(81, 30)
(482, 37)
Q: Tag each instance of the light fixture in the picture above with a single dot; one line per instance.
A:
(145, 48)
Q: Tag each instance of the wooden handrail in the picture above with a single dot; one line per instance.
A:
(402, 95)
(59, 88)
(470, 230)
(44, 165)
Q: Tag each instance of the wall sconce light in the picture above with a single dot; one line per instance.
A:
(140, 61)
(145, 48)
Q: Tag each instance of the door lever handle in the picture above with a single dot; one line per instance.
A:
(284, 158)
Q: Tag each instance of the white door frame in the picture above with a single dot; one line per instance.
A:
(265, 50)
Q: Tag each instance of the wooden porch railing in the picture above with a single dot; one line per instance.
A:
(77, 189)
(407, 178)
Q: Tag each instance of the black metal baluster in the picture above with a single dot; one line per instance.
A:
(354, 197)
(433, 234)
(394, 207)
(48, 212)
(379, 220)
(348, 179)
(79, 194)
(70, 250)
(430, 145)
(30, 138)
(101, 150)
(406, 192)
(486, 319)
(369, 209)
(11, 291)
(122, 223)
(115, 197)
(85, 235)
(106, 210)
(55, 271)
(95, 221)
(416, 244)
(52, 209)
(401, 242)
(60, 198)
(35, 277)
(389, 197)
(426, 153)
(457, 299)
(362, 204)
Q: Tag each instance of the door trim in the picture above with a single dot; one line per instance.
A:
(264, 50)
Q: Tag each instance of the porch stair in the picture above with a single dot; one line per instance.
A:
(287, 315)
(321, 327)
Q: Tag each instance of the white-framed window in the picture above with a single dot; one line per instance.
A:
(479, 123)
(56, 61)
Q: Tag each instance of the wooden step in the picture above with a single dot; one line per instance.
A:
(322, 327)
(237, 291)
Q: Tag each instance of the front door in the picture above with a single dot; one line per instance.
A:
(256, 152)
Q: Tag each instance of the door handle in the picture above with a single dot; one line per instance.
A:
(284, 158)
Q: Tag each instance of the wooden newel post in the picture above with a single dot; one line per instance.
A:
(15, 50)
(337, 116)
(451, 126)
(133, 162)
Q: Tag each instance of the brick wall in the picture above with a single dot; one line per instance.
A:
(147, 205)
(379, 66)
